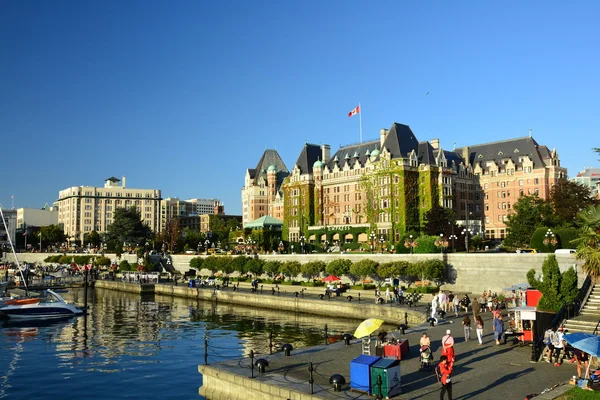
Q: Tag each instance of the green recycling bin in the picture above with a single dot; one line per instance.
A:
(388, 369)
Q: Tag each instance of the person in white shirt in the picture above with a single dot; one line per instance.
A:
(559, 344)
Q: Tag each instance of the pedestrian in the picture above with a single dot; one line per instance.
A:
(456, 305)
(475, 308)
(482, 300)
(582, 359)
(467, 327)
(559, 344)
(444, 372)
(464, 303)
(425, 341)
(450, 301)
(479, 328)
(548, 341)
(498, 329)
(388, 295)
(448, 346)
(434, 305)
(442, 300)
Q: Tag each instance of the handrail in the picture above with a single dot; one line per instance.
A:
(596, 329)
(586, 287)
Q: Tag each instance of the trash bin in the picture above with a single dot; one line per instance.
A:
(389, 371)
(360, 374)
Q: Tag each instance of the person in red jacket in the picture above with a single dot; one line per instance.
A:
(444, 370)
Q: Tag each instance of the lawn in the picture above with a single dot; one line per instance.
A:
(579, 394)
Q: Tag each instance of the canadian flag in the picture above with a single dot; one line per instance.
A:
(354, 112)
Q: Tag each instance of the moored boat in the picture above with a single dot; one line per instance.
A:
(52, 306)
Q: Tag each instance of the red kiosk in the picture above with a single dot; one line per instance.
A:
(526, 319)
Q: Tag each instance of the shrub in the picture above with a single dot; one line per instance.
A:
(426, 244)
(566, 236)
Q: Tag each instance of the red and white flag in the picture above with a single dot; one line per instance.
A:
(354, 112)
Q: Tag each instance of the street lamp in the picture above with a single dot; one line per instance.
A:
(441, 243)
(467, 233)
(302, 238)
(206, 245)
(381, 240)
(453, 237)
(550, 239)
(199, 247)
(372, 236)
(281, 247)
(410, 243)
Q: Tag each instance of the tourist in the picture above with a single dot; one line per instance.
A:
(482, 300)
(559, 344)
(475, 308)
(450, 301)
(464, 303)
(498, 329)
(445, 371)
(425, 341)
(448, 346)
(548, 340)
(583, 360)
(434, 306)
(456, 302)
(467, 327)
(400, 295)
(479, 328)
(490, 302)
(442, 300)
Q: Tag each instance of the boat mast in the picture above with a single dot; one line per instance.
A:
(13, 250)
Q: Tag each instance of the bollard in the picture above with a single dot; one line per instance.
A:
(287, 349)
(296, 294)
(379, 384)
(359, 297)
(277, 290)
(261, 287)
(321, 296)
(329, 295)
(205, 350)
(406, 318)
(347, 337)
(273, 291)
(310, 378)
(261, 364)
(337, 381)
(270, 342)
(303, 289)
(326, 335)
(251, 363)
(349, 299)
(402, 328)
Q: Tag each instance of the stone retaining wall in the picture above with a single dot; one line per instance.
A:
(468, 272)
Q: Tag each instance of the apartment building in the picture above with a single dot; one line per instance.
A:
(589, 177)
(187, 211)
(82, 209)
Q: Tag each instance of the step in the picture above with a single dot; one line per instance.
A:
(574, 329)
(583, 324)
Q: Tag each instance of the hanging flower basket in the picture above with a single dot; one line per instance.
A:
(140, 268)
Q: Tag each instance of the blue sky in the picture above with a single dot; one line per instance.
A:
(184, 96)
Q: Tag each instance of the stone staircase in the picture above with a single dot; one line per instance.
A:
(590, 314)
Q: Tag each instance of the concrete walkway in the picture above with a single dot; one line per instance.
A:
(483, 371)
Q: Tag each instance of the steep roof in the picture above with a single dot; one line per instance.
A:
(269, 157)
(309, 154)
(425, 154)
(350, 152)
(113, 179)
(264, 222)
(400, 141)
(512, 148)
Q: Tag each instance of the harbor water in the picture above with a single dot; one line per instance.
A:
(130, 346)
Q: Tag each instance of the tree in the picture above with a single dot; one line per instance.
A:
(92, 238)
(102, 261)
(568, 198)
(556, 288)
(239, 264)
(52, 234)
(125, 266)
(388, 270)
(529, 213)
(364, 268)
(212, 264)
(338, 267)
(312, 269)
(588, 243)
(196, 263)
(291, 269)
(439, 220)
(171, 234)
(272, 267)
(127, 227)
(254, 266)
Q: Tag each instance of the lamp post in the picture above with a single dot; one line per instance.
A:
(550, 239)
(467, 233)
(381, 240)
(302, 239)
(199, 248)
(206, 245)
(372, 236)
(453, 238)
(441, 243)
(410, 243)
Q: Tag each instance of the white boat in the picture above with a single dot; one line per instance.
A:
(52, 306)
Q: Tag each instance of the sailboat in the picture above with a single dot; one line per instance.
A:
(50, 306)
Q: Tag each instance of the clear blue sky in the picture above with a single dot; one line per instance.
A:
(184, 96)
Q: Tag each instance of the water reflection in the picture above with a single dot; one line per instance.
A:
(129, 346)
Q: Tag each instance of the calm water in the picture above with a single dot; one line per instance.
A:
(140, 348)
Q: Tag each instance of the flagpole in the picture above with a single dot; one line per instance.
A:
(360, 119)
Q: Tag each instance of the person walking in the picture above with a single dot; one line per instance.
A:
(456, 302)
(448, 346)
(467, 327)
(388, 295)
(479, 328)
(475, 308)
(434, 306)
(548, 341)
(498, 329)
(444, 372)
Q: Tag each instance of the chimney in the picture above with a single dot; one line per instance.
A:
(382, 135)
(124, 182)
(325, 153)
(465, 155)
(435, 143)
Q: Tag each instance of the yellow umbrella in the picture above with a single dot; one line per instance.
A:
(367, 327)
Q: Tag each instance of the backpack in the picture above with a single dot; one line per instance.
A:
(548, 338)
